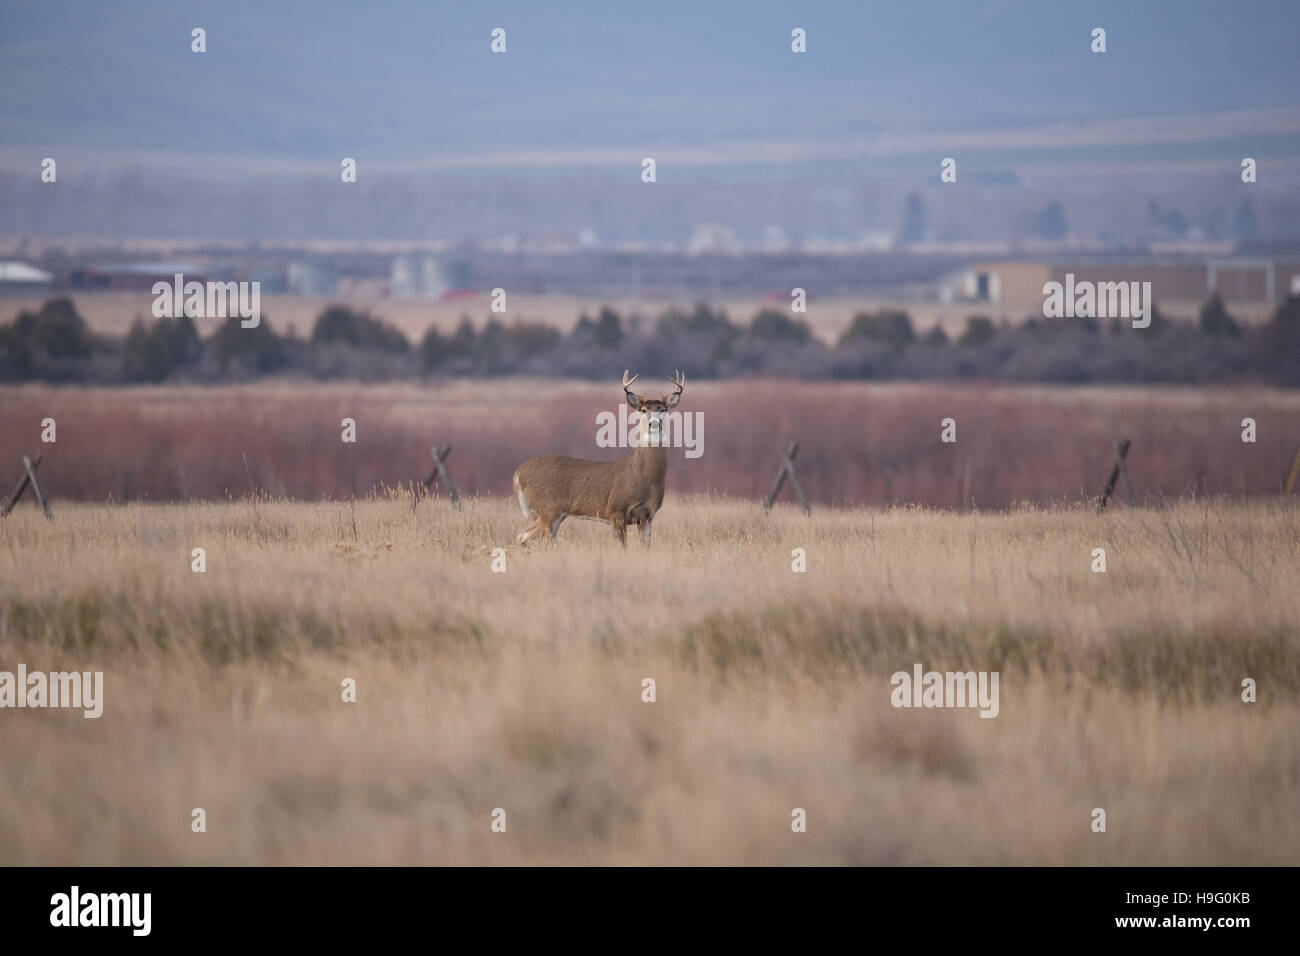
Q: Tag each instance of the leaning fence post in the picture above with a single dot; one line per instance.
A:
(1123, 471)
(440, 453)
(1295, 471)
(787, 468)
(19, 489)
(1121, 449)
(28, 478)
(776, 486)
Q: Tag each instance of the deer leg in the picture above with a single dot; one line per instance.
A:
(620, 530)
(641, 516)
(545, 525)
(528, 532)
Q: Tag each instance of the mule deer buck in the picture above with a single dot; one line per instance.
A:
(623, 492)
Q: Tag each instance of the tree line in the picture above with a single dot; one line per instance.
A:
(54, 344)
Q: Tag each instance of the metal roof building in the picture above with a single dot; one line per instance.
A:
(18, 279)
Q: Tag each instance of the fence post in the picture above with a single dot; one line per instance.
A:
(787, 468)
(1123, 471)
(440, 453)
(1295, 471)
(1121, 449)
(28, 478)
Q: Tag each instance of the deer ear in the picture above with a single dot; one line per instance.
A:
(673, 399)
(633, 399)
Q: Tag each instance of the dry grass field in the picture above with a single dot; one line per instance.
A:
(522, 690)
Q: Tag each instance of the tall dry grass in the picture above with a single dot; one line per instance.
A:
(859, 443)
(522, 690)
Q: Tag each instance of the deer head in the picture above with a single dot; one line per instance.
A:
(652, 411)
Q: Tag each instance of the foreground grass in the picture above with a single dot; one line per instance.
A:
(522, 690)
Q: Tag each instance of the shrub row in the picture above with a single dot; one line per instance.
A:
(54, 344)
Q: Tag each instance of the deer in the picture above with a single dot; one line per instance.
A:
(628, 491)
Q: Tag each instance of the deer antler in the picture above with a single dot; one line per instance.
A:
(627, 382)
(680, 381)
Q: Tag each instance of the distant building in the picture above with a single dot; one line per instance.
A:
(1266, 280)
(305, 277)
(137, 276)
(1260, 283)
(417, 277)
(713, 238)
(19, 280)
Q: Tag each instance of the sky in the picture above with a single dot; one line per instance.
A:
(883, 86)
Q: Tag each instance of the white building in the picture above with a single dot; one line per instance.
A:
(19, 280)
(304, 277)
(417, 277)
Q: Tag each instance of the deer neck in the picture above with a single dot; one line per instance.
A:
(651, 461)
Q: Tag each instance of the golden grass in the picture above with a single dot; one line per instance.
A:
(522, 690)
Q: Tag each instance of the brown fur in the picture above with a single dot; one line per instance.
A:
(625, 492)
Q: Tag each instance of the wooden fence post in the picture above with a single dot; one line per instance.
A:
(29, 478)
(1123, 472)
(1295, 471)
(787, 468)
(440, 453)
(1121, 449)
